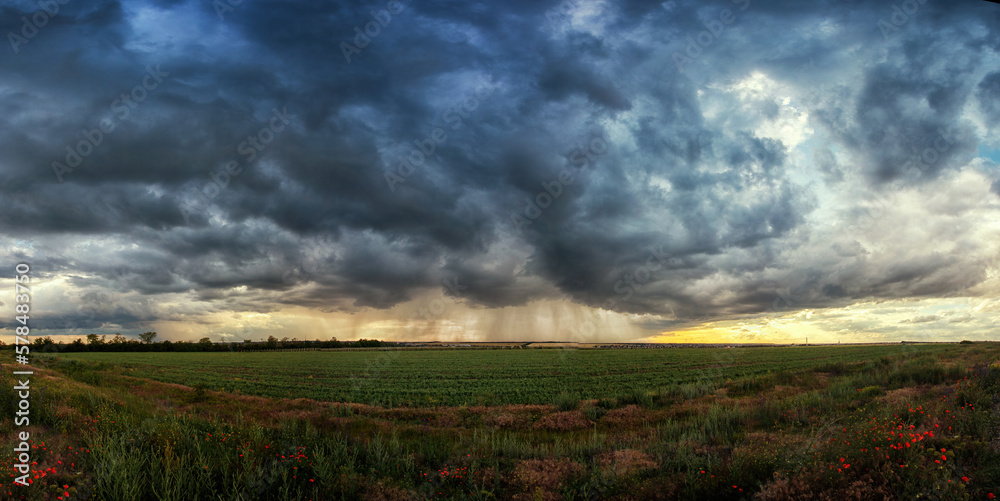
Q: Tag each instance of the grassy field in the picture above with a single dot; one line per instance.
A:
(858, 422)
(398, 377)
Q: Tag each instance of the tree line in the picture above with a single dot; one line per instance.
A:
(147, 342)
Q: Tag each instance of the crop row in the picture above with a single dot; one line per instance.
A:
(462, 377)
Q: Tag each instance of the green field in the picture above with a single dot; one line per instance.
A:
(470, 377)
(897, 422)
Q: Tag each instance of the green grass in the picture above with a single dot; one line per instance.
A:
(456, 377)
(778, 424)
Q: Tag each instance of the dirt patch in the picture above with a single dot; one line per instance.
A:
(383, 492)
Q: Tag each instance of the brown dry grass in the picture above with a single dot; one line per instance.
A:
(901, 395)
(564, 421)
(626, 462)
(689, 408)
(506, 420)
(543, 478)
(630, 415)
(866, 488)
(510, 416)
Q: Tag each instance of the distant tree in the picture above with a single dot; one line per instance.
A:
(94, 339)
(44, 344)
(147, 337)
(205, 342)
(272, 342)
(118, 339)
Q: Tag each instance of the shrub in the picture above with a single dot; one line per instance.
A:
(199, 394)
(567, 401)
(594, 413)
(870, 391)
(635, 396)
(695, 390)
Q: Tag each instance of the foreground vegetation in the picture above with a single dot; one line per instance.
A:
(877, 422)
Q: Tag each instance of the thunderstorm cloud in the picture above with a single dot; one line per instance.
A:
(503, 170)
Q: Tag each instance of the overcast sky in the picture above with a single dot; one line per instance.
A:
(730, 170)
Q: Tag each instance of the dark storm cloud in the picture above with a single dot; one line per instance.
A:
(520, 92)
(988, 93)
